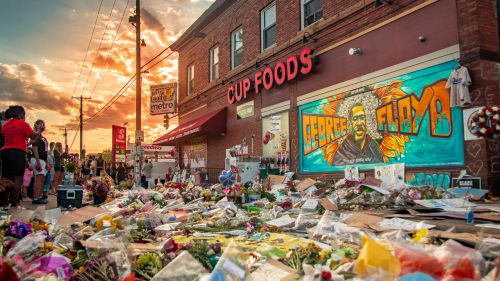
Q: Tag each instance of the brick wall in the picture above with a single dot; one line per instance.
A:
(473, 26)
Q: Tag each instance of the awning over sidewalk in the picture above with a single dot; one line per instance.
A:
(213, 122)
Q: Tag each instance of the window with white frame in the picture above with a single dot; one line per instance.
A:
(190, 80)
(312, 11)
(237, 47)
(268, 26)
(214, 63)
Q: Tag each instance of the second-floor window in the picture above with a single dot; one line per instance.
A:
(268, 26)
(312, 11)
(237, 47)
(190, 81)
(214, 63)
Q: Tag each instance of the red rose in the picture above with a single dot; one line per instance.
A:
(326, 275)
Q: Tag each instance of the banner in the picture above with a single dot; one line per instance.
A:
(163, 99)
(407, 119)
(119, 144)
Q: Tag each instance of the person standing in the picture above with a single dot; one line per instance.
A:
(28, 174)
(100, 165)
(40, 164)
(147, 170)
(15, 132)
(170, 174)
(121, 173)
(50, 177)
(58, 164)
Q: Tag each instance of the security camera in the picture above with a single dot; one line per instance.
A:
(355, 51)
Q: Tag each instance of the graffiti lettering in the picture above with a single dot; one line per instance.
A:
(319, 130)
(438, 180)
(405, 115)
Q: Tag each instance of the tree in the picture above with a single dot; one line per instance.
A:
(106, 155)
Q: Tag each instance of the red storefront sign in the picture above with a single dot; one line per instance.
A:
(119, 143)
(282, 72)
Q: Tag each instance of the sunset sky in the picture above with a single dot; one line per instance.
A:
(42, 48)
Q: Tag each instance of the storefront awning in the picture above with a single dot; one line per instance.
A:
(213, 122)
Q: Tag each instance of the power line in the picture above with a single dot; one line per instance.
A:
(99, 47)
(124, 88)
(112, 45)
(88, 47)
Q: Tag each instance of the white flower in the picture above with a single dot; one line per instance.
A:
(473, 124)
(488, 112)
(158, 197)
(496, 116)
(481, 119)
(497, 127)
(483, 130)
(495, 108)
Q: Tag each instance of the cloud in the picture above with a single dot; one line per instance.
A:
(25, 85)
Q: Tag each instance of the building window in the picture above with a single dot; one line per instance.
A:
(190, 81)
(214, 63)
(268, 26)
(312, 11)
(237, 47)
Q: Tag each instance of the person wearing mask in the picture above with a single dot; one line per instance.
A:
(15, 132)
(100, 164)
(121, 173)
(40, 164)
(147, 170)
(58, 164)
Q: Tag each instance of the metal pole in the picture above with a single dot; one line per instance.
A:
(138, 90)
(81, 125)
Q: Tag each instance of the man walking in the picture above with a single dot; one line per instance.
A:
(147, 169)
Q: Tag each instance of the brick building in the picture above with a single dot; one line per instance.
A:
(338, 83)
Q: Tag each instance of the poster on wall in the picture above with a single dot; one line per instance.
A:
(275, 134)
(194, 154)
(406, 119)
(467, 113)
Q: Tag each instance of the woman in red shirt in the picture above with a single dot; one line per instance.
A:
(16, 133)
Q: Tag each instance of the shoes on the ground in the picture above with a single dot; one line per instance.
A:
(39, 201)
(45, 197)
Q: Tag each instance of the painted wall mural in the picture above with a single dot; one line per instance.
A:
(438, 179)
(407, 119)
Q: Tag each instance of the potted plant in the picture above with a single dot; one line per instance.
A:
(99, 191)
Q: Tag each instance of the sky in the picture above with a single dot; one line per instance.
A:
(44, 62)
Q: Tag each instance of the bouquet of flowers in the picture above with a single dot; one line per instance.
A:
(148, 265)
(485, 123)
(96, 186)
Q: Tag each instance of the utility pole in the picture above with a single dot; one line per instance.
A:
(65, 139)
(136, 21)
(81, 98)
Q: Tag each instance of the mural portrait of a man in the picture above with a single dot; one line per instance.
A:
(358, 146)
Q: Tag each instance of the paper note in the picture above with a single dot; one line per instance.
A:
(310, 205)
(390, 174)
(378, 189)
(81, 215)
(397, 223)
(272, 270)
(351, 173)
(275, 179)
(450, 205)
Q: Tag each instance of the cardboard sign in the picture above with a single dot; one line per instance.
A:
(362, 220)
(81, 215)
(467, 182)
(351, 173)
(328, 204)
(305, 184)
(275, 179)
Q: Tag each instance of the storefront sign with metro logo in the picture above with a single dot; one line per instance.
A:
(119, 142)
(163, 98)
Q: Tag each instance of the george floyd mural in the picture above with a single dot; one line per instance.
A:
(407, 119)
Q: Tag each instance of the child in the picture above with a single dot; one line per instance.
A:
(28, 174)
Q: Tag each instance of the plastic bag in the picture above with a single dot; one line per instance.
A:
(232, 265)
(330, 227)
(27, 247)
(459, 261)
(305, 221)
(376, 259)
(489, 247)
(50, 263)
(416, 259)
(183, 268)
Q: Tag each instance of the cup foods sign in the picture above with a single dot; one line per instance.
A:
(283, 71)
(163, 98)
